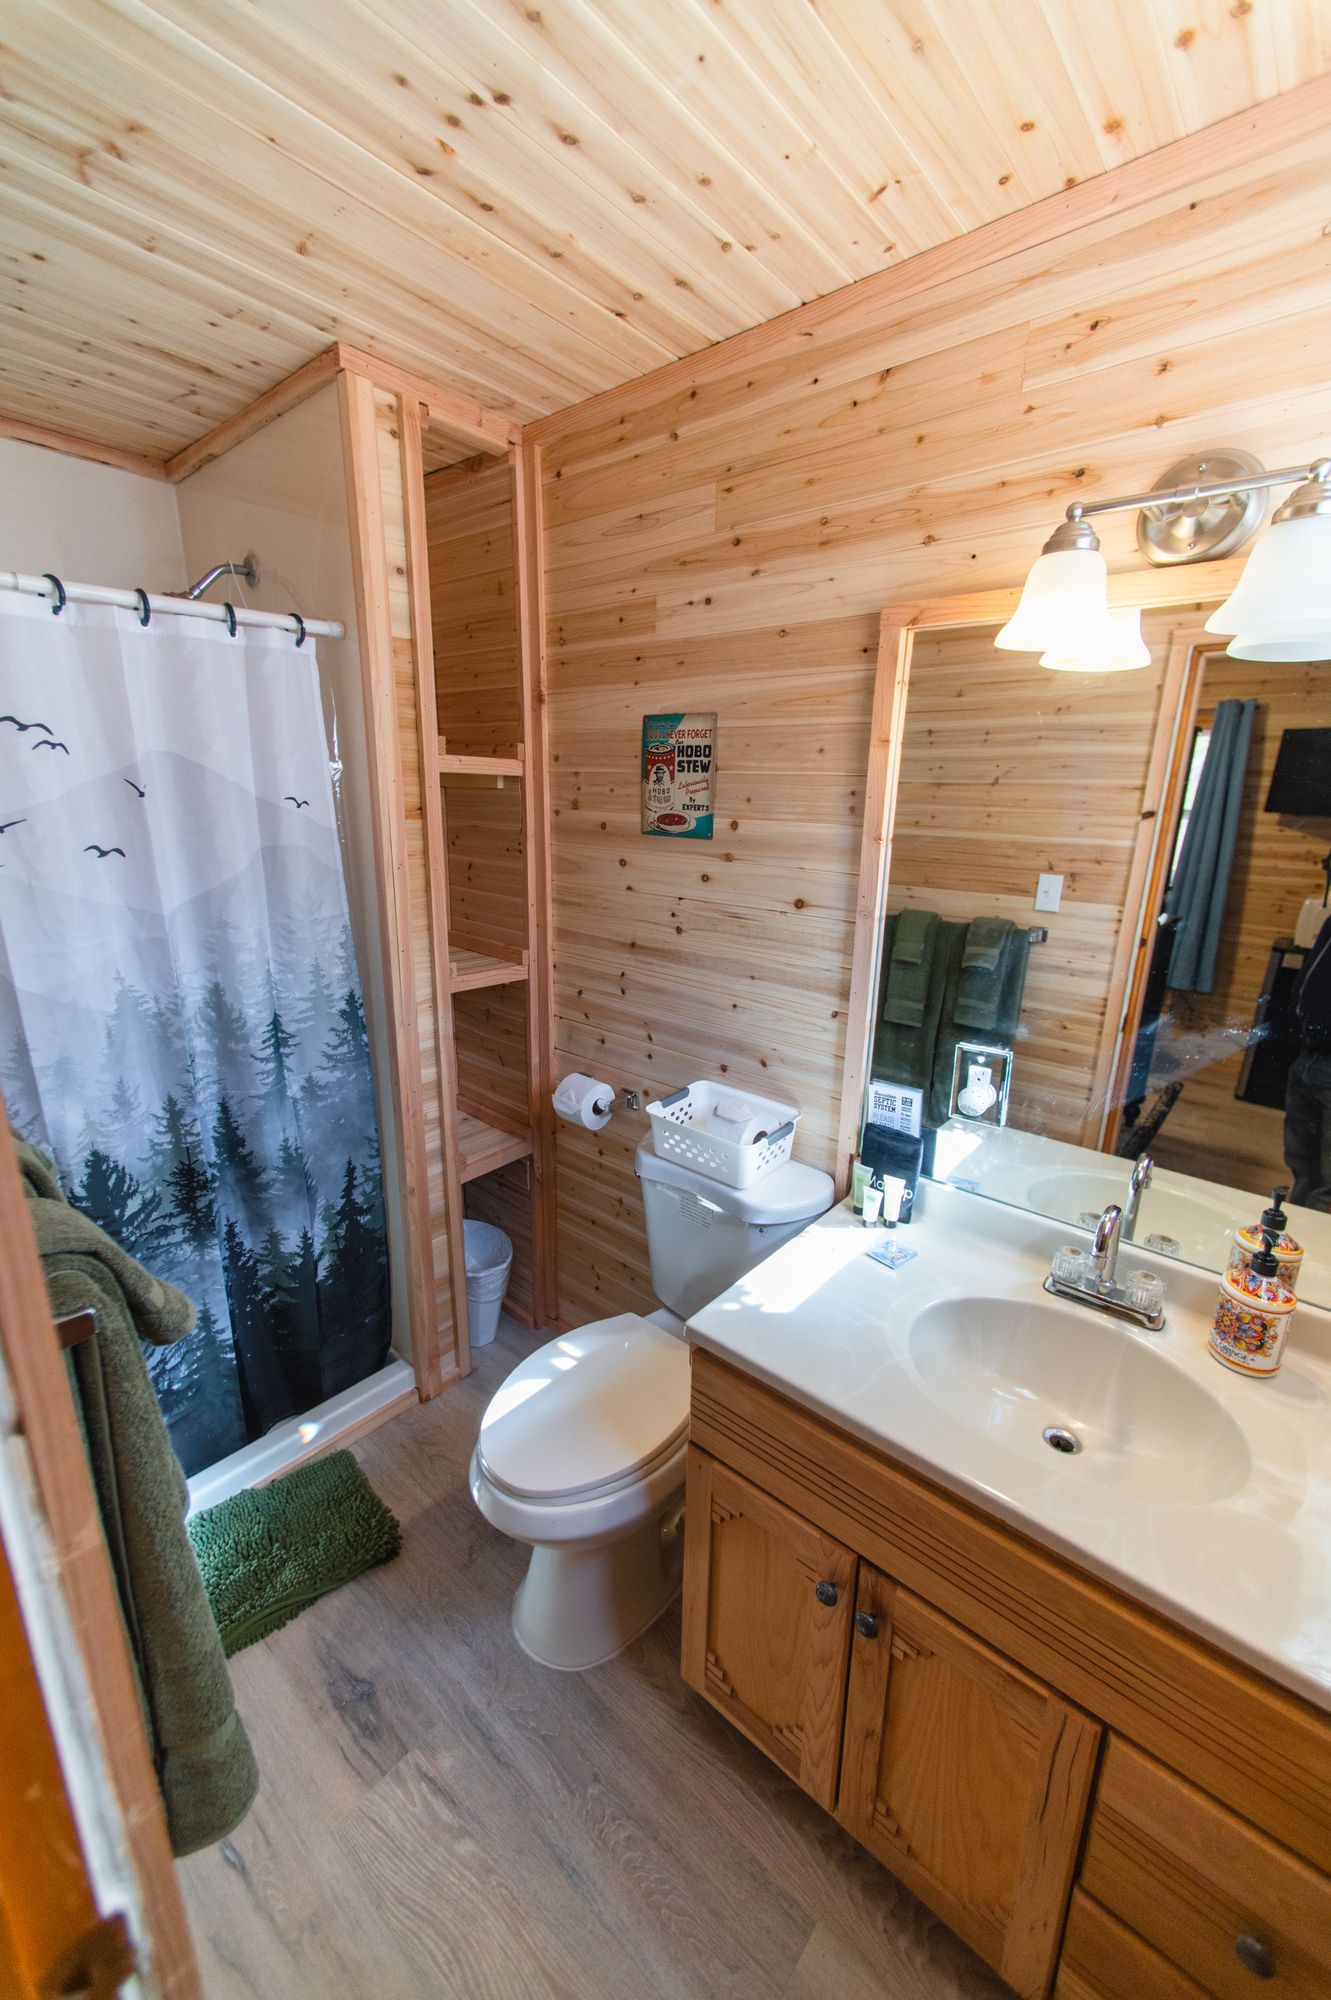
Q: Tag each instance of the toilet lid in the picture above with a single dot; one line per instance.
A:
(587, 1410)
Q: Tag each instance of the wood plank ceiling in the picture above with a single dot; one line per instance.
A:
(534, 203)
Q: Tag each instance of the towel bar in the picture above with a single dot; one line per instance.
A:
(74, 1328)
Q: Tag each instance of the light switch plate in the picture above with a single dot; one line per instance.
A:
(1049, 892)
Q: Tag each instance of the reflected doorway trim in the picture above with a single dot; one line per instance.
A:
(1152, 590)
(1180, 696)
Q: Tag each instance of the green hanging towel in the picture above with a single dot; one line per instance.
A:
(204, 1763)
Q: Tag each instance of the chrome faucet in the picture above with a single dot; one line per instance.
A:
(1109, 1233)
(1137, 1186)
(1091, 1277)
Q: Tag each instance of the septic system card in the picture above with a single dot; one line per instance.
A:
(678, 775)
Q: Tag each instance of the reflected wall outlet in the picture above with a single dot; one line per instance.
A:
(1049, 892)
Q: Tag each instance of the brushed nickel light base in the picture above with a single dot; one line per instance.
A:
(1203, 529)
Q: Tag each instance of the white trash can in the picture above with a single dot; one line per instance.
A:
(489, 1255)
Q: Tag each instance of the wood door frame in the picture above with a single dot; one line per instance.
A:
(1151, 589)
(44, 1428)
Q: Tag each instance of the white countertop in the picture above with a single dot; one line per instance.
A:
(824, 1324)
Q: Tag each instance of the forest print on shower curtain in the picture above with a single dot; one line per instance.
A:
(180, 1013)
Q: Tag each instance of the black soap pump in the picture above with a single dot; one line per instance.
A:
(1273, 1222)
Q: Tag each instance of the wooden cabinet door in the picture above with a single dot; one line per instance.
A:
(966, 1777)
(768, 1602)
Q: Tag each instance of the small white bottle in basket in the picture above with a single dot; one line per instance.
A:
(731, 1136)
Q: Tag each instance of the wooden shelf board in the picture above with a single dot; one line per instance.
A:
(482, 1148)
(451, 766)
(472, 966)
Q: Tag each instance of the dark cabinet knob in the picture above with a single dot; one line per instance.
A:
(825, 1592)
(1256, 1955)
(866, 1624)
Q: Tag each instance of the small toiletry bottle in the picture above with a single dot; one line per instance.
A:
(1247, 1241)
(859, 1181)
(1253, 1313)
(872, 1206)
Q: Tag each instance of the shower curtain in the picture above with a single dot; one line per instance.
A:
(180, 1013)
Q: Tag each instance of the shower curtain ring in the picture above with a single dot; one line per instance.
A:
(300, 622)
(145, 609)
(230, 611)
(60, 598)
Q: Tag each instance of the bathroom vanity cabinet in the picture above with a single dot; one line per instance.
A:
(1099, 1803)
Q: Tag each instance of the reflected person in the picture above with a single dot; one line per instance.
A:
(1308, 1091)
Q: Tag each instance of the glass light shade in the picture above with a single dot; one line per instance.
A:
(1279, 645)
(1063, 596)
(1286, 583)
(1113, 649)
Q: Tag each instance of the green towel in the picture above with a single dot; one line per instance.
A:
(268, 1553)
(1005, 1012)
(205, 1766)
(902, 1054)
(992, 978)
(910, 968)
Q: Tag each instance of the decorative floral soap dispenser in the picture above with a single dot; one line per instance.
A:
(1247, 1241)
(1253, 1313)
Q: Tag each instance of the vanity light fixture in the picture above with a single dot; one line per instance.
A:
(1203, 508)
(1123, 647)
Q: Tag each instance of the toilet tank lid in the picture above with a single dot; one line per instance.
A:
(793, 1193)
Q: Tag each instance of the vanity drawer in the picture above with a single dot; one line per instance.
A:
(1238, 1913)
(1103, 1960)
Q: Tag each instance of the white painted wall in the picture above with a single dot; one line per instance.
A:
(281, 493)
(87, 522)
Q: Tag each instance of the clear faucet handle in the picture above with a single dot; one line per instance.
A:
(1145, 1292)
(1071, 1266)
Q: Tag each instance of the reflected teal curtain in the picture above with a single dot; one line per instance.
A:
(1200, 887)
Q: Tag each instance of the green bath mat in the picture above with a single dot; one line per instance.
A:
(268, 1553)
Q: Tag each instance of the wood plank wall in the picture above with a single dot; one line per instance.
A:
(1277, 863)
(728, 542)
(1009, 771)
(470, 530)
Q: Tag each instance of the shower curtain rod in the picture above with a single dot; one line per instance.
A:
(148, 606)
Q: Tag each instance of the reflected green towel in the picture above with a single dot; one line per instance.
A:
(268, 1553)
(910, 968)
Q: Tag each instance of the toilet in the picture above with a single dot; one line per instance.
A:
(582, 1450)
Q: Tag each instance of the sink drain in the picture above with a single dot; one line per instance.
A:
(1058, 1439)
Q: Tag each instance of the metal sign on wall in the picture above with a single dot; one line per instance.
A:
(679, 775)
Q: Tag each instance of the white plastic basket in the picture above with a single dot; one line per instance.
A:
(680, 1132)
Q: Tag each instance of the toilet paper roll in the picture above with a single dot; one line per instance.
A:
(584, 1100)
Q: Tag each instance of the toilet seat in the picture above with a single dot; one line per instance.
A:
(591, 1412)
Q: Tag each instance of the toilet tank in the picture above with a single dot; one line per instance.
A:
(702, 1235)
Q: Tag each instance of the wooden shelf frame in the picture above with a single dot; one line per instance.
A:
(483, 1147)
(474, 963)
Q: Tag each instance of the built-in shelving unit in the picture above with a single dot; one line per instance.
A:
(481, 764)
(472, 964)
(484, 1148)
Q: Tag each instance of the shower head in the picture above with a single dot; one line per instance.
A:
(247, 570)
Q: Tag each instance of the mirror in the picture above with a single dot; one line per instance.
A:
(1091, 921)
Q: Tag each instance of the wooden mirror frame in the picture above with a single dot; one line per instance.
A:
(1151, 589)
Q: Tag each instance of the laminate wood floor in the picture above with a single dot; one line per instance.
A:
(440, 1817)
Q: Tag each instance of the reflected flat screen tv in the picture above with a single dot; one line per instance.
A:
(1301, 781)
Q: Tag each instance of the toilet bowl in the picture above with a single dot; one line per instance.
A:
(581, 1454)
(582, 1449)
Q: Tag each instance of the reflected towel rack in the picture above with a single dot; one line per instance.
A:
(72, 1329)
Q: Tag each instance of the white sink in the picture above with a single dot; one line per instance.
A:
(1010, 1368)
(1202, 1231)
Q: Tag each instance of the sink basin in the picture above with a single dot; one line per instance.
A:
(1201, 1231)
(1010, 1368)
